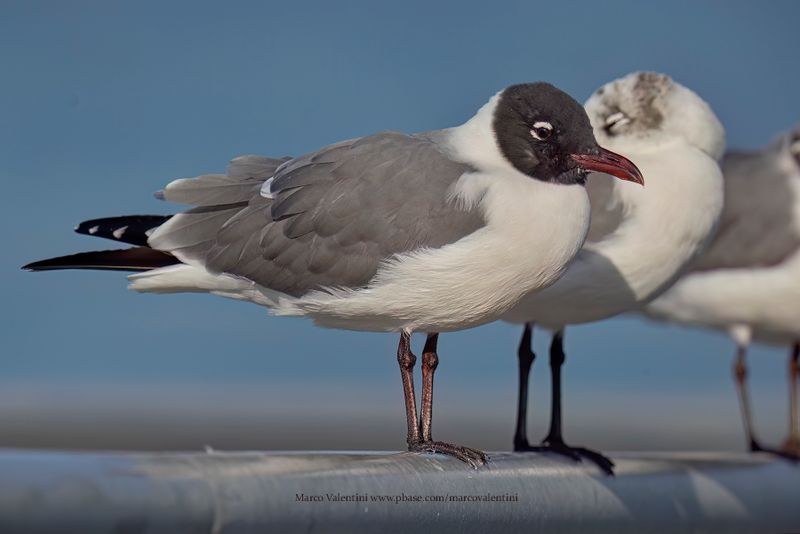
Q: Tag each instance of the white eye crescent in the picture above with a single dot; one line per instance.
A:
(541, 130)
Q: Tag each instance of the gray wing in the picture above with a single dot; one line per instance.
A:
(334, 215)
(218, 197)
(758, 226)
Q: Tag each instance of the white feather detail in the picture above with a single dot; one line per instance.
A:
(119, 232)
(266, 189)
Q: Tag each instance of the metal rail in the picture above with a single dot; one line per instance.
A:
(224, 492)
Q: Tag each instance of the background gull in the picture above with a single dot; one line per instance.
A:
(640, 238)
(748, 282)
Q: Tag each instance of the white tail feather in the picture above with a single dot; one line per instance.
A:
(192, 279)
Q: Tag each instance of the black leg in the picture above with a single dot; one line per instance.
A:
(525, 356)
(554, 441)
(557, 359)
(419, 433)
(740, 376)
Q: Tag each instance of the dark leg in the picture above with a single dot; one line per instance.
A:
(406, 359)
(554, 441)
(557, 359)
(792, 444)
(419, 434)
(740, 375)
(525, 356)
(430, 361)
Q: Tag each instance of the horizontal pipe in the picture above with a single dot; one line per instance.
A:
(232, 492)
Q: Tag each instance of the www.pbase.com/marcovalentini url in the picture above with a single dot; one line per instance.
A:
(404, 498)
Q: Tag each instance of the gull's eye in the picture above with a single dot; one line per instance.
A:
(615, 121)
(541, 130)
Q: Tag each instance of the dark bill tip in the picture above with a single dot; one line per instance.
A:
(611, 163)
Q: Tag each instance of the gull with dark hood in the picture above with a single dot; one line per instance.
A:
(390, 232)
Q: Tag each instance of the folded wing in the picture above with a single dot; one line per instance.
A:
(326, 219)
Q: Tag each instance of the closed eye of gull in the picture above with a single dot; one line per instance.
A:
(616, 119)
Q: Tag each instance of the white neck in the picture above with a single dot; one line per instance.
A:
(669, 221)
(474, 142)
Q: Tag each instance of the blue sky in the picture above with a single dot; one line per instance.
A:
(104, 102)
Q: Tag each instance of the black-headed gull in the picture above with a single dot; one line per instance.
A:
(431, 232)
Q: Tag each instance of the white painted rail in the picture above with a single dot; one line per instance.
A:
(224, 492)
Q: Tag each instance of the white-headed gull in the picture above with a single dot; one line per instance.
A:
(640, 238)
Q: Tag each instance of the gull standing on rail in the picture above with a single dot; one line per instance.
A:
(640, 238)
(433, 232)
(748, 282)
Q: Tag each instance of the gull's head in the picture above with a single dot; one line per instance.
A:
(544, 133)
(647, 109)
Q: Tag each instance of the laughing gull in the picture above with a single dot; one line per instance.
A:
(432, 232)
(640, 238)
(748, 282)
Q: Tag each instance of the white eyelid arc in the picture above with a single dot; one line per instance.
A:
(541, 125)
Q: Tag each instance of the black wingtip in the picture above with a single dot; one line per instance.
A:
(131, 229)
(37, 266)
(42, 265)
(134, 259)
